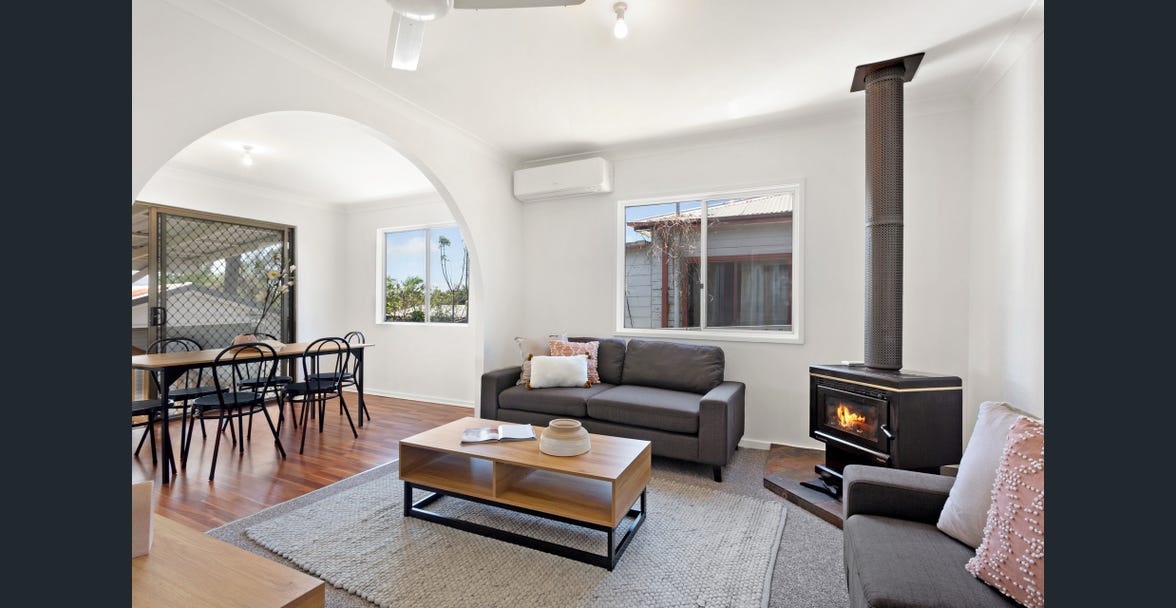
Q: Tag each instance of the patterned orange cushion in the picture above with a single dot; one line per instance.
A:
(559, 348)
(1011, 557)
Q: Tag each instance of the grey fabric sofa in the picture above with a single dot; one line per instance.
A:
(895, 557)
(671, 394)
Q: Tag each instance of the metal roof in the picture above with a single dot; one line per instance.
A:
(774, 204)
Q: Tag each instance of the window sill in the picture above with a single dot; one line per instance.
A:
(714, 335)
(422, 324)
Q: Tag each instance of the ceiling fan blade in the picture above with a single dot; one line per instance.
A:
(405, 37)
(477, 4)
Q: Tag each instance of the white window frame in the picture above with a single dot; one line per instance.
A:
(382, 269)
(795, 336)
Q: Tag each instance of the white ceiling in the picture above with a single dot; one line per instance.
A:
(315, 156)
(542, 82)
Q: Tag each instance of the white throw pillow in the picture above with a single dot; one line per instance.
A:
(534, 347)
(966, 511)
(549, 372)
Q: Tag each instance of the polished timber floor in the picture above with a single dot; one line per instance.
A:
(259, 478)
(809, 571)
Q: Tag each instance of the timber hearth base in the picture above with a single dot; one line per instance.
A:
(788, 468)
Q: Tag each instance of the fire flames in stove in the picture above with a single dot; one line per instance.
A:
(847, 419)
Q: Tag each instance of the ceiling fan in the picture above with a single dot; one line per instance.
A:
(410, 16)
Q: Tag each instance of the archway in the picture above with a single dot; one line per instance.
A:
(335, 234)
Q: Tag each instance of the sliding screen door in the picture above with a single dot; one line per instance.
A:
(202, 276)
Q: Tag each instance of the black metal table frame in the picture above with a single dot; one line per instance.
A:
(172, 373)
(609, 561)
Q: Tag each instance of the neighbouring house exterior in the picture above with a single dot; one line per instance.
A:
(209, 316)
(749, 266)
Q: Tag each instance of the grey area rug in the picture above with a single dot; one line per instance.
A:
(807, 569)
(698, 547)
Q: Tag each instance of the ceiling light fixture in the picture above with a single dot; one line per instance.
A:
(620, 30)
(247, 160)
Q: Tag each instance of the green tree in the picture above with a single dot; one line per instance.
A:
(404, 300)
(456, 281)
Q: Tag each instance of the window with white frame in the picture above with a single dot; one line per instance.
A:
(425, 275)
(722, 265)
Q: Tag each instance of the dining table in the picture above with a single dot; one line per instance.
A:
(171, 366)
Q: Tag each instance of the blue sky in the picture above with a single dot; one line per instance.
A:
(405, 254)
(641, 212)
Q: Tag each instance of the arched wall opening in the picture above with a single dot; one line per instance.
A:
(289, 181)
(196, 68)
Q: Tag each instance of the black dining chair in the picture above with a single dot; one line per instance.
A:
(190, 385)
(275, 386)
(234, 364)
(323, 365)
(349, 374)
(152, 409)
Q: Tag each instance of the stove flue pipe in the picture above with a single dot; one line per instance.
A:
(883, 84)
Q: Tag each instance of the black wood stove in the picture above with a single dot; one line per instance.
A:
(901, 419)
(875, 413)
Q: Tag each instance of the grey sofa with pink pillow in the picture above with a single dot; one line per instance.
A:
(895, 556)
(671, 394)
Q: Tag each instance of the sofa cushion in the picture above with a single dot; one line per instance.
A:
(1011, 557)
(555, 401)
(966, 511)
(894, 562)
(552, 372)
(563, 348)
(529, 347)
(696, 368)
(655, 408)
(610, 357)
(536, 346)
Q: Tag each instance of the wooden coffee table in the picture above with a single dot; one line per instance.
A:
(595, 490)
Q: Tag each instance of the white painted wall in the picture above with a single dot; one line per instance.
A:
(973, 226)
(1006, 358)
(318, 229)
(568, 283)
(197, 65)
(412, 361)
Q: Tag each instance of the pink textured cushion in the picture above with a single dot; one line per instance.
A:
(560, 348)
(1011, 557)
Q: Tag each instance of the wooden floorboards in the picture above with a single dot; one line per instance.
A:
(259, 478)
(787, 466)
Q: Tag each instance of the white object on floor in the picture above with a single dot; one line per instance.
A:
(142, 520)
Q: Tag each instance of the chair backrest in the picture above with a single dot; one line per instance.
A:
(265, 336)
(177, 344)
(330, 355)
(354, 337)
(242, 362)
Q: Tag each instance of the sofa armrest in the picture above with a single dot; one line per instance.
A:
(494, 383)
(720, 422)
(910, 495)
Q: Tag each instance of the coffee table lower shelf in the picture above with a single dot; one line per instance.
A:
(609, 561)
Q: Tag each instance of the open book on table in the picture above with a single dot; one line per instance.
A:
(502, 432)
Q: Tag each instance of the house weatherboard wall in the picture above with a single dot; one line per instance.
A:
(749, 241)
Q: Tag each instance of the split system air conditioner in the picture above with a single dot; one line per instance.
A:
(573, 178)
